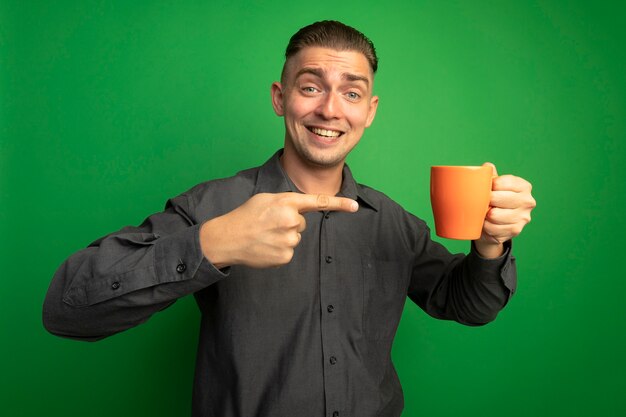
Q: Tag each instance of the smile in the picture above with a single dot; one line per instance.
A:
(325, 132)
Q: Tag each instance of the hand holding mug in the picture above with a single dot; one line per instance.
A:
(474, 203)
(510, 209)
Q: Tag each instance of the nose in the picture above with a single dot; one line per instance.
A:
(329, 106)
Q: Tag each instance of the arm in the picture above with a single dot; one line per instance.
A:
(120, 280)
(468, 289)
(473, 289)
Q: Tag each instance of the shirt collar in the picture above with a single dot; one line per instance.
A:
(273, 179)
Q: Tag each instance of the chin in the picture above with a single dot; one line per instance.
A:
(322, 160)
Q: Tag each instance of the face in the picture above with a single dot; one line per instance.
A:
(326, 100)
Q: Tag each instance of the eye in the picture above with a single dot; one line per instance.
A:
(309, 90)
(353, 96)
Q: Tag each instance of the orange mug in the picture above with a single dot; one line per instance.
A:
(460, 197)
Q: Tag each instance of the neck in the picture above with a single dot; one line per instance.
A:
(311, 178)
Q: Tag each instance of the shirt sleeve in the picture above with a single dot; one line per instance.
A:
(122, 279)
(468, 289)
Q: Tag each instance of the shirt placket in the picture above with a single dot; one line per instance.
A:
(331, 309)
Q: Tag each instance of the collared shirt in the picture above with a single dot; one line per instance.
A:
(311, 338)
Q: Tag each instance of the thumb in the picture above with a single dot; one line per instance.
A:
(495, 171)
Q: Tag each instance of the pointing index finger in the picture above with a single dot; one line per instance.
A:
(305, 203)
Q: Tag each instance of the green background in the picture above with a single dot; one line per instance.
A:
(109, 108)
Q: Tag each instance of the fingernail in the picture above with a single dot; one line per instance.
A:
(354, 206)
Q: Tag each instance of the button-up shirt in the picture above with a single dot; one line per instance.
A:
(310, 338)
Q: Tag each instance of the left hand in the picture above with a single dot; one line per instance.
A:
(511, 205)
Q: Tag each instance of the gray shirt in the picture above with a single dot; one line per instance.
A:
(311, 338)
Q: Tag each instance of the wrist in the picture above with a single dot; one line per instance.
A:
(211, 245)
(488, 250)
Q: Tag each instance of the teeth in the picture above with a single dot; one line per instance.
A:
(324, 132)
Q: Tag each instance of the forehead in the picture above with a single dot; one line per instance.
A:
(330, 61)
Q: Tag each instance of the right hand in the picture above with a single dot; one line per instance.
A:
(264, 231)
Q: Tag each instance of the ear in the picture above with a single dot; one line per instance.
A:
(277, 98)
(371, 113)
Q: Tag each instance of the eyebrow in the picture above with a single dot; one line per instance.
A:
(318, 72)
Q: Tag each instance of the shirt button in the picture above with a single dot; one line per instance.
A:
(115, 285)
(327, 216)
(180, 268)
(333, 360)
(335, 413)
(329, 259)
(330, 308)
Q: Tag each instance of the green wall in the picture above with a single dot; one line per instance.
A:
(108, 108)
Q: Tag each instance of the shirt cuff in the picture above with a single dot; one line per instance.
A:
(175, 262)
(179, 257)
(501, 269)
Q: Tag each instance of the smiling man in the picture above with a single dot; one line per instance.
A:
(300, 273)
(326, 99)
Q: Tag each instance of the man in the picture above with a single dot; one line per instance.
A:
(300, 273)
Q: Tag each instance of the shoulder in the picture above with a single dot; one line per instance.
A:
(219, 196)
(242, 181)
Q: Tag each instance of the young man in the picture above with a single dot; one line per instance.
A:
(300, 273)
